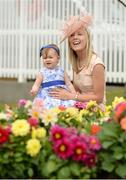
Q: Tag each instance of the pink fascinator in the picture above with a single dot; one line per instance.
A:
(74, 23)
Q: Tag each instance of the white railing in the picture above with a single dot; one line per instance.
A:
(25, 25)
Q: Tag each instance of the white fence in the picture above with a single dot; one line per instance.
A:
(26, 25)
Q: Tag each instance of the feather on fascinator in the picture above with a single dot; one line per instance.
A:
(74, 23)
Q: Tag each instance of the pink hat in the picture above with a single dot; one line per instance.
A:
(75, 23)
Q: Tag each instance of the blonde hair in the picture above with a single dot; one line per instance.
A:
(89, 52)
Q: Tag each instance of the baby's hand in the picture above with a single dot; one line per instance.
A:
(33, 92)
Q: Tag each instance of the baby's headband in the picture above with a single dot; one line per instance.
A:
(74, 23)
(50, 46)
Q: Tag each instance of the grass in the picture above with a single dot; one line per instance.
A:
(111, 92)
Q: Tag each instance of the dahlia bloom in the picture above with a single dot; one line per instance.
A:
(20, 127)
(63, 148)
(33, 147)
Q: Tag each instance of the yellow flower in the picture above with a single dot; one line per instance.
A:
(20, 127)
(85, 112)
(49, 116)
(108, 110)
(56, 110)
(33, 147)
(38, 133)
(34, 133)
(41, 132)
(72, 111)
(79, 117)
(91, 104)
(117, 100)
(35, 114)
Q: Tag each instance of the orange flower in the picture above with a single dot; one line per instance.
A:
(120, 108)
(123, 123)
(95, 129)
(62, 108)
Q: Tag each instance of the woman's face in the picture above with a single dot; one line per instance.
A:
(78, 40)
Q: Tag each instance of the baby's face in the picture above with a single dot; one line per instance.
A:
(50, 59)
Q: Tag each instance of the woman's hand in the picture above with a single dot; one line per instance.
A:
(60, 93)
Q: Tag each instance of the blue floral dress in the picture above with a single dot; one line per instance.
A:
(52, 78)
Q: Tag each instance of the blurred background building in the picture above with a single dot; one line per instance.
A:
(26, 25)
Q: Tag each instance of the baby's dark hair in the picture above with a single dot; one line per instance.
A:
(53, 46)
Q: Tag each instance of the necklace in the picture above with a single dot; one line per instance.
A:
(80, 67)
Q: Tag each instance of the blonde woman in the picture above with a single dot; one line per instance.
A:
(88, 68)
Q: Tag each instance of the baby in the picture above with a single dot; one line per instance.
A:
(51, 76)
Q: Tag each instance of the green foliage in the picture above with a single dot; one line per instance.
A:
(16, 162)
(112, 157)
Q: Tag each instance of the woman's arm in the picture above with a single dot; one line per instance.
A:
(98, 79)
(69, 83)
(36, 84)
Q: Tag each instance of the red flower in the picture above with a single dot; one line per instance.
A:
(4, 135)
(62, 108)
(58, 133)
(90, 160)
(94, 143)
(95, 129)
(79, 150)
(63, 148)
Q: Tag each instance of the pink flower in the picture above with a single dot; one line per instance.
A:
(94, 143)
(80, 105)
(38, 102)
(58, 133)
(72, 130)
(22, 102)
(63, 148)
(33, 121)
(84, 138)
(90, 160)
(79, 150)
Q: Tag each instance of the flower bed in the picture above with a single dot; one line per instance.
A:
(81, 142)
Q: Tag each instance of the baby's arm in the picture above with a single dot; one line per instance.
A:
(36, 84)
(69, 83)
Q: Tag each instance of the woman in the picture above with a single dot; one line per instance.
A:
(88, 68)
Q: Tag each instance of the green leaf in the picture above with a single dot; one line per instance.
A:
(51, 166)
(110, 131)
(118, 156)
(107, 144)
(108, 166)
(30, 172)
(118, 153)
(75, 169)
(19, 159)
(64, 172)
(121, 170)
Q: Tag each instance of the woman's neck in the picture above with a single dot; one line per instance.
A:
(81, 60)
(81, 56)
